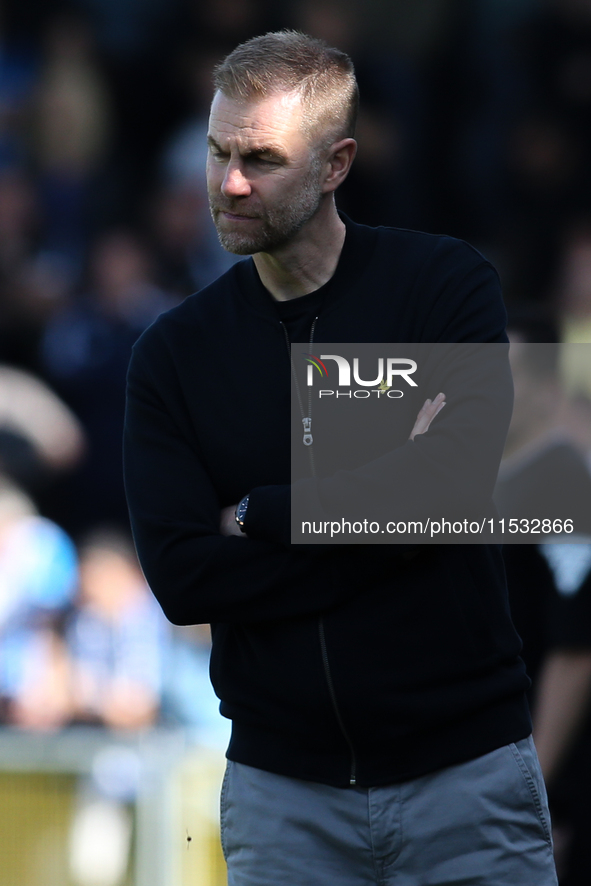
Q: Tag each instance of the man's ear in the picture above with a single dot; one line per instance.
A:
(338, 164)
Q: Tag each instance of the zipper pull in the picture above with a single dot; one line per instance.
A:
(307, 423)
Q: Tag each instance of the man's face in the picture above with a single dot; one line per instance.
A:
(263, 176)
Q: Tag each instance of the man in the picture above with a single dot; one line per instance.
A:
(380, 729)
(544, 472)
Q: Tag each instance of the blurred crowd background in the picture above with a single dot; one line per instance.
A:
(475, 121)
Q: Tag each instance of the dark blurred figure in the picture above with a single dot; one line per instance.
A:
(184, 241)
(572, 292)
(385, 186)
(19, 219)
(71, 131)
(186, 244)
(226, 22)
(550, 584)
(544, 178)
(85, 353)
(137, 45)
(19, 73)
(548, 168)
(20, 235)
(40, 438)
(572, 299)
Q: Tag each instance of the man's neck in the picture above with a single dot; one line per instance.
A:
(307, 262)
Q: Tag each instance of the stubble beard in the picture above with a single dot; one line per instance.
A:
(275, 226)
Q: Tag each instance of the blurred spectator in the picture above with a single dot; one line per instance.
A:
(38, 288)
(40, 438)
(71, 130)
(19, 66)
(548, 172)
(228, 22)
(19, 219)
(185, 237)
(116, 638)
(33, 283)
(573, 303)
(85, 642)
(19, 242)
(414, 30)
(185, 152)
(544, 475)
(543, 176)
(385, 184)
(104, 657)
(130, 668)
(573, 293)
(85, 353)
(38, 575)
(185, 241)
(138, 45)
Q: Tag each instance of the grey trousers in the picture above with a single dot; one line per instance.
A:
(481, 823)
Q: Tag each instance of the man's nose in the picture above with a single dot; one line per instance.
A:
(235, 183)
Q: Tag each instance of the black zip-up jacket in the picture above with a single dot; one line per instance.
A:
(337, 664)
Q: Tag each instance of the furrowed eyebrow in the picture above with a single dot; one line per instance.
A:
(274, 151)
(212, 143)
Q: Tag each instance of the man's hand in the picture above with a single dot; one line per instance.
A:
(228, 524)
(426, 415)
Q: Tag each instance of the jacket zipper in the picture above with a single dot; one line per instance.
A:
(308, 441)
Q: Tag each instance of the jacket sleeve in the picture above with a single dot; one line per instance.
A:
(198, 575)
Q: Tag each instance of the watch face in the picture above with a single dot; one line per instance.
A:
(241, 511)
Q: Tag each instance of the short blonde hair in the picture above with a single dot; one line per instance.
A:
(289, 61)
